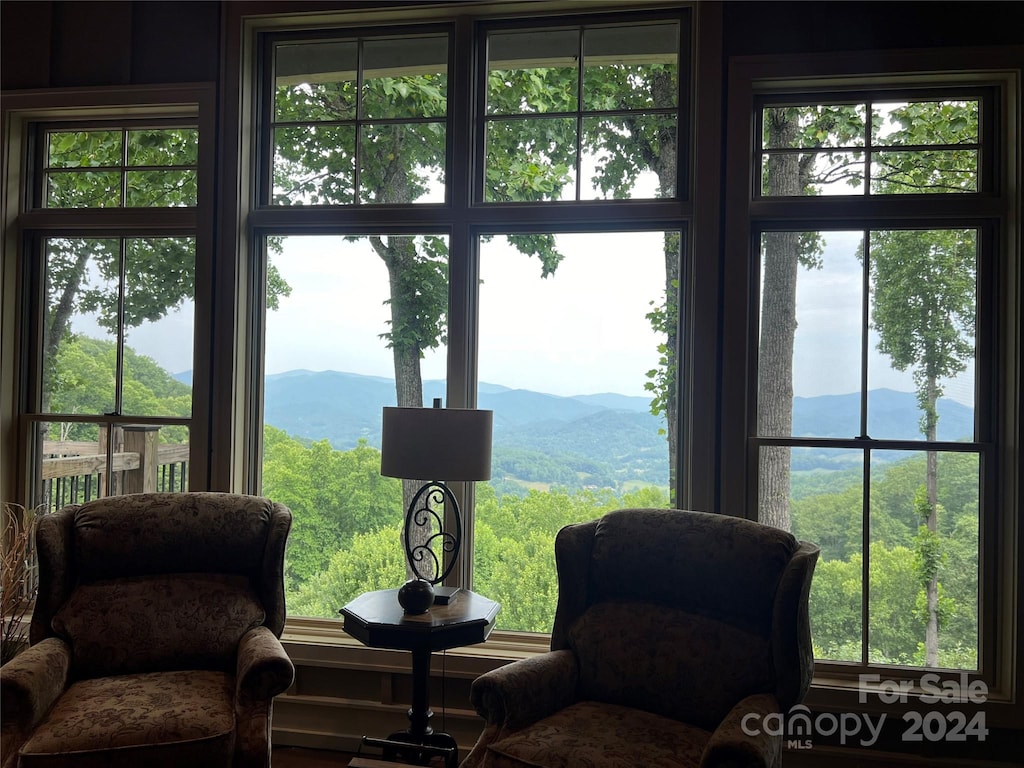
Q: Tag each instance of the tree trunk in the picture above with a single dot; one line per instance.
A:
(931, 419)
(778, 331)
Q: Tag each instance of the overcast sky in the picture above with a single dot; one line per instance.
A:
(581, 331)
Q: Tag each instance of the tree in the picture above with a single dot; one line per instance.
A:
(924, 292)
(924, 312)
(87, 275)
(526, 161)
(788, 174)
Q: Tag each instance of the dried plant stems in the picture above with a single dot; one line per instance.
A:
(16, 587)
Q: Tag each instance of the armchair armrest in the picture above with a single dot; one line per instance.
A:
(740, 740)
(29, 685)
(264, 669)
(525, 691)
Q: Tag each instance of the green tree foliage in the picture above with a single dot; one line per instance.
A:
(898, 575)
(153, 275)
(333, 495)
(86, 369)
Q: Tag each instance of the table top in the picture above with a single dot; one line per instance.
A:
(377, 620)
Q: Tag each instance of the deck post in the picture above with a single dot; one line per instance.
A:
(142, 440)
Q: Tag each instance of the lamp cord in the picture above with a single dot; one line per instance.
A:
(444, 685)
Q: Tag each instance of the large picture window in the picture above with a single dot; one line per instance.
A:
(562, 317)
(873, 405)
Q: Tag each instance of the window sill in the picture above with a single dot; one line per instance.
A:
(323, 642)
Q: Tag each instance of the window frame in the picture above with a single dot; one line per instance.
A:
(818, 78)
(462, 218)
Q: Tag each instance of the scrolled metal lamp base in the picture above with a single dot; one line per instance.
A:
(427, 541)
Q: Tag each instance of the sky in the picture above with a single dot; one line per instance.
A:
(581, 331)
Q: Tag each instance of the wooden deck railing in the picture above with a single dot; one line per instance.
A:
(74, 472)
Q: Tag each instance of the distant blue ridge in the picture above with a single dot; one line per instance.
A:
(608, 429)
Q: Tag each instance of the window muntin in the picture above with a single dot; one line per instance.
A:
(926, 146)
(359, 121)
(581, 131)
(138, 167)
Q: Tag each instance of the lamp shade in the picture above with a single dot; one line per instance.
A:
(436, 443)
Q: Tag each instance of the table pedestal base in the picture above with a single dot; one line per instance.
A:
(417, 749)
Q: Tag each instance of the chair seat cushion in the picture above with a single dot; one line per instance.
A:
(152, 720)
(591, 733)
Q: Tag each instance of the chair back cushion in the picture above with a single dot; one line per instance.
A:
(144, 534)
(157, 623)
(724, 568)
(664, 660)
(172, 535)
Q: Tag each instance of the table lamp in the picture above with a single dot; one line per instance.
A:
(435, 445)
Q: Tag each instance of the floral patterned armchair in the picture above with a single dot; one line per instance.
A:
(154, 640)
(675, 634)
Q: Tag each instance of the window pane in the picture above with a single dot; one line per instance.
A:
(532, 71)
(630, 67)
(314, 165)
(333, 345)
(529, 160)
(924, 559)
(567, 364)
(79, 462)
(164, 189)
(405, 78)
(315, 81)
(80, 333)
(86, 322)
(178, 146)
(607, 163)
(159, 316)
(811, 305)
(83, 149)
(923, 316)
(826, 494)
(789, 174)
(922, 124)
(813, 125)
(402, 163)
(83, 189)
(894, 173)
(925, 122)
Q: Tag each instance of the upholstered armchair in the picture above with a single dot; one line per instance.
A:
(154, 640)
(675, 634)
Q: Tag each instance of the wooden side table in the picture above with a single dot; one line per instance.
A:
(378, 621)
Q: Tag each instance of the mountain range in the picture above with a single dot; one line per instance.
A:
(607, 438)
(601, 439)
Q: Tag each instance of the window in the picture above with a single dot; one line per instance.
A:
(519, 248)
(110, 228)
(874, 430)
